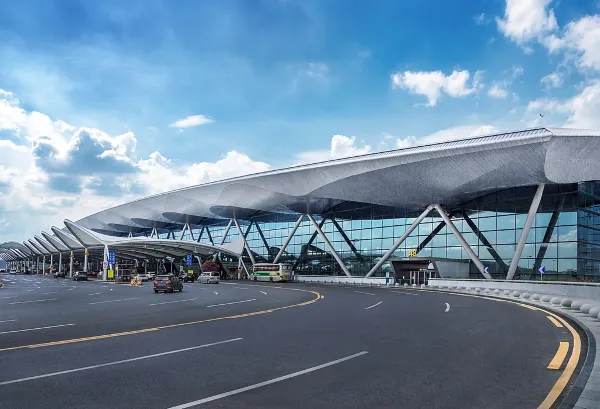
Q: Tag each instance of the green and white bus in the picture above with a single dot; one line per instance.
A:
(272, 272)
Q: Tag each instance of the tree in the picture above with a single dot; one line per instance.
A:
(210, 266)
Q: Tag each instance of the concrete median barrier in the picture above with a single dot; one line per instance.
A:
(536, 297)
(555, 300)
(496, 291)
(526, 295)
(545, 298)
(516, 294)
(576, 305)
(506, 292)
(594, 312)
(585, 308)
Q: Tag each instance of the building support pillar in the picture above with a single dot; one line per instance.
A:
(547, 236)
(535, 204)
(245, 242)
(400, 241)
(307, 245)
(289, 238)
(329, 245)
(227, 232)
(486, 243)
(262, 236)
(209, 236)
(60, 269)
(51, 261)
(463, 242)
(71, 257)
(85, 260)
(347, 239)
(43, 264)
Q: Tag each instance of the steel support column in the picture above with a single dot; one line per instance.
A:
(60, 269)
(71, 256)
(209, 236)
(51, 261)
(85, 260)
(200, 234)
(463, 242)
(262, 236)
(289, 237)
(307, 245)
(486, 243)
(227, 231)
(245, 242)
(400, 240)
(347, 239)
(328, 244)
(547, 236)
(535, 204)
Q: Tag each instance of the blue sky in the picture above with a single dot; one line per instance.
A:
(271, 80)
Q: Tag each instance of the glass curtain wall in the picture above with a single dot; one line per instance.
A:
(564, 238)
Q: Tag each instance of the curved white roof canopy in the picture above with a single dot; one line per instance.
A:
(448, 173)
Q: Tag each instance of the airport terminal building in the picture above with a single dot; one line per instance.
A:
(511, 205)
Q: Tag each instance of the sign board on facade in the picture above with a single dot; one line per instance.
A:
(412, 253)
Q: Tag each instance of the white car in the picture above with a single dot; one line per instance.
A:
(141, 276)
(209, 278)
(151, 275)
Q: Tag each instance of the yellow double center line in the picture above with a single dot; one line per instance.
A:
(141, 331)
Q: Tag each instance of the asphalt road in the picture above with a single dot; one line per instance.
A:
(246, 345)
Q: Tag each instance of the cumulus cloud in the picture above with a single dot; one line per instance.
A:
(431, 84)
(581, 41)
(190, 121)
(341, 146)
(445, 135)
(580, 111)
(527, 20)
(57, 170)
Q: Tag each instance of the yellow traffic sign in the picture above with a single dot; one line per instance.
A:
(412, 253)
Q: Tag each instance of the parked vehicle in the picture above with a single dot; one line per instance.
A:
(80, 276)
(209, 278)
(94, 273)
(59, 274)
(167, 283)
(151, 275)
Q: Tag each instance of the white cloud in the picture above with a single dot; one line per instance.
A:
(192, 120)
(431, 83)
(527, 20)
(497, 92)
(444, 135)
(580, 111)
(55, 170)
(552, 80)
(341, 146)
(582, 39)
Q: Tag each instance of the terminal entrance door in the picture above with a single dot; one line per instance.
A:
(422, 276)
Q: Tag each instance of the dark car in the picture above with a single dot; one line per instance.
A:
(167, 283)
(80, 276)
(188, 278)
(58, 274)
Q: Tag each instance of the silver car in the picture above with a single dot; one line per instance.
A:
(209, 278)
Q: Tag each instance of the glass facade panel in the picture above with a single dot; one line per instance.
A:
(571, 253)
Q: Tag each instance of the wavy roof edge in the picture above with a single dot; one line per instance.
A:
(527, 133)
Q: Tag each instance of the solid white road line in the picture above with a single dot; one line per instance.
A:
(265, 383)
(447, 307)
(374, 305)
(51, 292)
(229, 303)
(8, 321)
(102, 302)
(85, 368)
(94, 293)
(362, 292)
(27, 302)
(241, 288)
(263, 292)
(31, 289)
(6, 298)
(36, 329)
(171, 302)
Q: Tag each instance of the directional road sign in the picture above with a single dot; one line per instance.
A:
(542, 269)
(486, 270)
(188, 259)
